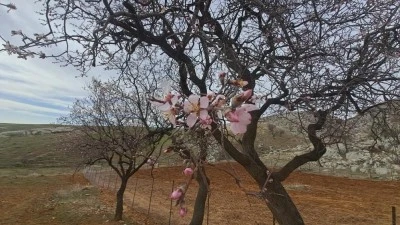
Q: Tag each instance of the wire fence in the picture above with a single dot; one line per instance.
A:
(149, 195)
(153, 200)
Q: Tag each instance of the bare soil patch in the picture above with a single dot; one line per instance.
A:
(321, 199)
(63, 199)
(55, 200)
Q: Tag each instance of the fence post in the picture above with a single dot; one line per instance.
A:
(96, 177)
(208, 206)
(104, 179)
(109, 178)
(134, 193)
(393, 215)
(151, 196)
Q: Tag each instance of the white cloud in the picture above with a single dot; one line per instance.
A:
(19, 106)
(33, 90)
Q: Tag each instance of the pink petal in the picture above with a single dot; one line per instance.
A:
(210, 95)
(238, 128)
(247, 94)
(232, 116)
(164, 107)
(174, 100)
(172, 119)
(188, 171)
(191, 119)
(194, 99)
(244, 117)
(182, 212)
(204, 101)
(156, 103)
(168, 97)
(203, 114)
(187, 107)
(176, 194)
(219, 101)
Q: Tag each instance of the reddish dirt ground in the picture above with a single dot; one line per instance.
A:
(320, 199)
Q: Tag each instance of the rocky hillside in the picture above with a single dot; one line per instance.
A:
(367, 144)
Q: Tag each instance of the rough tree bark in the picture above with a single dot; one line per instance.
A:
(271, 188)
(120, 199)
(202, 180)
(202, 193)
(277, 199)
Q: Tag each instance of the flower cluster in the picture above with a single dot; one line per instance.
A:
(203, 110)
(178, 194)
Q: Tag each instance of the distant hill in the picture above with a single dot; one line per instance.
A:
(351, 143)
(12, 130)
(33, 146)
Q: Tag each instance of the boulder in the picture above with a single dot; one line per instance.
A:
(381, 170)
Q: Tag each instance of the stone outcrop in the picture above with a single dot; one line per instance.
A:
(355, 149)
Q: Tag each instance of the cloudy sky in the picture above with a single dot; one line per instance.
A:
(33, 90)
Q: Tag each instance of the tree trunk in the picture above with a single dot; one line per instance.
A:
(277, 199)
(200, 204)
(120, 199)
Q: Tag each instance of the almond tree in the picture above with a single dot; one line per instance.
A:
(116, 126)
(330, 58)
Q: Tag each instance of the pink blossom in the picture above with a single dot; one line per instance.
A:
(188, 171)
(176, 194)
(196, 106)
(182, 211)
(167, 106)
(242, 97)
(206, 123)
(219, 101)
(210, 95)
(240, 118)
(247, 94)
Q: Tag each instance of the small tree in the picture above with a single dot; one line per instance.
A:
(118, 128)
(328, 58)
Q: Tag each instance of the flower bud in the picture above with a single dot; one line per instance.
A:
(176, 194)
(239, 99)
(182, 211)
(188, 171)
(247, 94)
